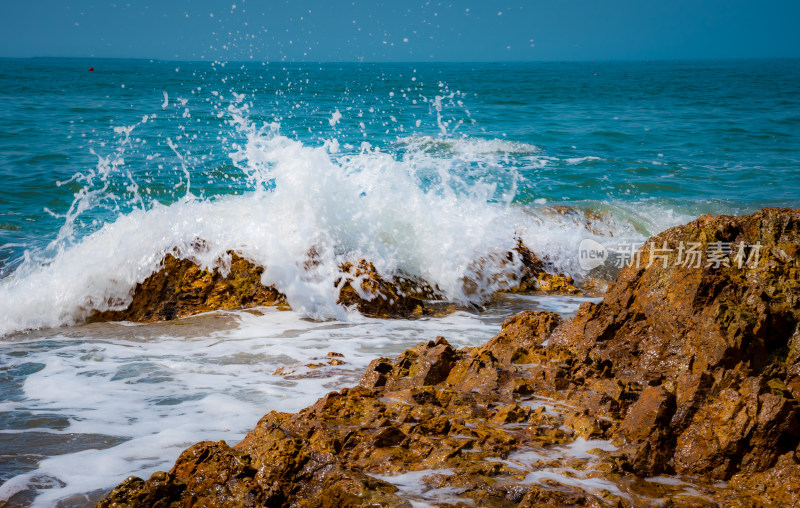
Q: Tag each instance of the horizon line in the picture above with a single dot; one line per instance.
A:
(253, 61)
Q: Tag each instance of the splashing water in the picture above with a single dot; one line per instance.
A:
(442, 211)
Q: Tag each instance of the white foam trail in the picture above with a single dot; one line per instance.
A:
(580, 160)
(467, 147)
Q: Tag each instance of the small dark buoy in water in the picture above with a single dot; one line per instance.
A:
(91, 69)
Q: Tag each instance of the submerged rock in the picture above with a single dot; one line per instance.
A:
(690, 372)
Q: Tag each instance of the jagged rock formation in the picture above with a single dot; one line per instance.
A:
(715, 350)
(182, 288)
(363, 287)
(684, 370)
(433, 407)
(535, 277)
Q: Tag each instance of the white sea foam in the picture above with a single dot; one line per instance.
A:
(580, 160)
(578, 449)
(412, 485)
(413, 488)
(533, 459)
(576, 479)
(467, 146)
(163, 387)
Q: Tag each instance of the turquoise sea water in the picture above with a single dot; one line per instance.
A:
(427, 169)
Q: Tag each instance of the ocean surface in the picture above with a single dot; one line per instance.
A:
(432, 170)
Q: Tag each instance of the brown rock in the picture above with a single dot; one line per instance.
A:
(182, 288)
(159, 490)
(373, 296)
(653, 409)
(720, 338)
(778, 486)
(535, 277)
(521, 334)
(644, 427)
(657, 322)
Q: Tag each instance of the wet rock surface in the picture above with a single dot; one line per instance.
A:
(362, 287)
(181, 287)
(679, 388)
(535, 277)
(714, 349)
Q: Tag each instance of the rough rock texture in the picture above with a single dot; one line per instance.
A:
(716, 350)
(679, 371)
(464, 421)
(433, 409)
(535, 277)
(182, 288)
(363, 287)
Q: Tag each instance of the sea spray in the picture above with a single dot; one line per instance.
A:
(341, 214)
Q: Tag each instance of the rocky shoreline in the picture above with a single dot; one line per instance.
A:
(680, 388)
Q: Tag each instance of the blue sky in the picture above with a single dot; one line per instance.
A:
(316, 30)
